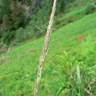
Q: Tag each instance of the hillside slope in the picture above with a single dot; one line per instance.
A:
(72, 48)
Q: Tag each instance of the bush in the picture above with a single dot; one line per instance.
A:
(23, 34)
(79, 71)
(91, 8)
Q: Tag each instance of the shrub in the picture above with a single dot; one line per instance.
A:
(75, 70)
(91, 8)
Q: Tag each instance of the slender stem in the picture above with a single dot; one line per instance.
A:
(44, 51)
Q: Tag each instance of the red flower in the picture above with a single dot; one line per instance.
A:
(81, 38)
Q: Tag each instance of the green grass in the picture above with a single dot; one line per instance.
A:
(70, 65)
(74, 15)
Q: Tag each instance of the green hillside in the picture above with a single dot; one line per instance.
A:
(70, 66)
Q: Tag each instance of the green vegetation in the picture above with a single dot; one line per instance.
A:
(75, 15)
(18, 17)
(70, 68)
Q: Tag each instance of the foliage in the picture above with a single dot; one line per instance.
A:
(15, 14)
(75, 15)
(70, 66)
